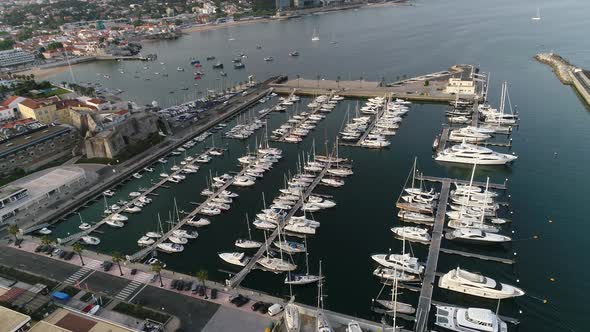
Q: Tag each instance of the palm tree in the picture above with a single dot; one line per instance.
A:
(157, 267)
(13, 230)
(118, 258)
(338, 81)
(77, 248)
(202, 275)
(45, 240)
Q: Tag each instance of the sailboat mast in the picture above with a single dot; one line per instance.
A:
(248, 225)
(306, 256)
(485, 200)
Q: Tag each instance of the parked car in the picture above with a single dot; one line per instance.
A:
(107, 265)
(63, 254)
(48, 250)
(275, 309)
(69, 255)
(173, 283)
(202, 291)
(56, 252)
(194, 288)
(133, 272)
(179, 285)
(40, 248)
(213, 293)
(264, 308)
(257, 305)
(187, 285)
(239, 300)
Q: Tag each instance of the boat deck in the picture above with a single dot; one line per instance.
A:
(374, 120)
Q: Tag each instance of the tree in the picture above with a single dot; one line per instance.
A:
(426, 83)
(202, 275)
(78, 249)
(6, 44)
(45, 240)
(13, 230)
(157, 267)
(118, 258)
(54, 46)
(338, 81)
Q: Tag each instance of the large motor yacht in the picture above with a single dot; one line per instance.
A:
(466, 153)
(401, 262)
(468, 319)
(478, 285)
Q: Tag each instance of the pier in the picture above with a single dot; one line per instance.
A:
(145, 251)
(305, 118)
(374, 121)
(148, 191)
(499, 186)
(478, 256)
(426, 88)
(424, 302)
(239, 277)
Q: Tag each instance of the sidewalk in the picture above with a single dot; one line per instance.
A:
(94, 260)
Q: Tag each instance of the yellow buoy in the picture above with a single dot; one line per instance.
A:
(545, 301)
(552, 279)
(550, 221)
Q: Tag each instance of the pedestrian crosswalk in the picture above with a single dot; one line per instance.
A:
(128, 290)
(78, 275)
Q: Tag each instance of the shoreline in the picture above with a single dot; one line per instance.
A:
(46, 72)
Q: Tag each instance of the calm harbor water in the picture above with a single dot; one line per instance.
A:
(547, 182)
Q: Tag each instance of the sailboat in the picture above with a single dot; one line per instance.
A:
(394, 305)
(248, 243)
(322, 323)
(84, 225)
(538, 17)
(315, 36)
(274, 264)
(292, 321)
(302, 279)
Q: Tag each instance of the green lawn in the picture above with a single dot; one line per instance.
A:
(56, 92)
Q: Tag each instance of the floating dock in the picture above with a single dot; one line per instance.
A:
(239, 277)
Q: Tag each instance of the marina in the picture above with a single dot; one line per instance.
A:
(361, 223)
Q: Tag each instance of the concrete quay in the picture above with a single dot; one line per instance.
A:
(425, 88)
(568, 74)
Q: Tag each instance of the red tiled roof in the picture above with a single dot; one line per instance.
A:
(96, 101)
(18, 122)
(9, 100)
(30, 103)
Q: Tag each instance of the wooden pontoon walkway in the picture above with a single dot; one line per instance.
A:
(425, 299)
(499, 186)
(239, 277)
(478, 256)
(77, 236)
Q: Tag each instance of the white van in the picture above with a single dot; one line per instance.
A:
(275, 309)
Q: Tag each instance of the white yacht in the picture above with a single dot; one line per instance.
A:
(468, 319)
(45, 231)
(235, 258)
(108, 193)
(465, 153)
(185, 234)
(401, 262)
(134, 194)
(248, 244)
(91, 240)
(332, 182)
(478, 285)
(290, 247)
(276, 265)
(402, 308)
(301, 279)
(394, 274)
(118, 217)
(210, 211)
(414, 216)
(155, 235)
(145, 241)
(137, 175)
(198, 223)
(354, 327)
(322, 322)
(468, 134)
(114, 223)
(85, 226)
(292, 321)
(177, 239)
(170, 247)
(243, 181)
(478, 236)
(414, 234)
(132, 209)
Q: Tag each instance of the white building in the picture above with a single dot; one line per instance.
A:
(15, 57)
(459, 86)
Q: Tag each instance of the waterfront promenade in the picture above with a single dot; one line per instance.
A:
(194, 313)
